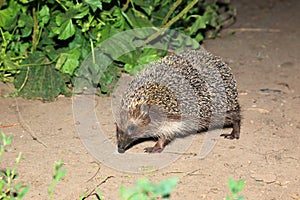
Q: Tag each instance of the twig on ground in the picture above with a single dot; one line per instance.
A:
(173, 172)
(26, 127)
(192, 173)
(99, 167)
(94, 189)
(8, 126)
(252, 30)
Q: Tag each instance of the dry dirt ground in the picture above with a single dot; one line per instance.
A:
(264, 53)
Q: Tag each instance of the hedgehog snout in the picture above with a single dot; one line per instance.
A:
(121, 149)
(123, 143)
(125, 138)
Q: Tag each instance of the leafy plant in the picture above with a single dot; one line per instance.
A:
(58, 175)
(235, 188)
(144, 190)
(43, 43)
(8, 189)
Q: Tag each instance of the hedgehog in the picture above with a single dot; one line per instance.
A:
(177, 96)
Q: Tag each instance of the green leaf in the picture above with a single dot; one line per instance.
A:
(165, 187)
(23, 192)
(138, 19)
(80, 43)
(40, 81)
(66, 30)
(2, 173)
(98, 194)
(145, 190)
(130, 57)
(6, 140)
(146, 5)
(136, 64)
(2, 184)
(235, 187)
(239, 198)
(119, 20)
(60, 62)
(7, 172)
(125, 193)
(240, 185)
(128, 67)
(65, 27)
(232, 185)
(145, 185)
(60, 174)
(200, 23)
(70, 65)
(135, 193)
(78, 11)
(26, 23)
(44, 15)
(94, 4)
(107, 78)
(9, 65)
(199, 37)
(148, 56)
(51, 52)
(211, 16)
(8, 16)
(68, 61)
(24, 47)
(26, 1)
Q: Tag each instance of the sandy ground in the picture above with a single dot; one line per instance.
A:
(264, 55)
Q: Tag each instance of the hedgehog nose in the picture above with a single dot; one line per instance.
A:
(121, 150)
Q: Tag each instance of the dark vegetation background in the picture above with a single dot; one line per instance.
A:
(43, 43)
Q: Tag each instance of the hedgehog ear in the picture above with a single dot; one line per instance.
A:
(144, 109)
(156, 113)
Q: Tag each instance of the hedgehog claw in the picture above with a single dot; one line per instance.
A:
(228, 136)
(153, 150)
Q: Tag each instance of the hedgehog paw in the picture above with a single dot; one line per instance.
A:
(158, 147)
(232, 135)
(235, 133)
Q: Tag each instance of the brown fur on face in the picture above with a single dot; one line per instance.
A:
(132, 125)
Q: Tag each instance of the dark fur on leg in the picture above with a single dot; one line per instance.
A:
(235, 134)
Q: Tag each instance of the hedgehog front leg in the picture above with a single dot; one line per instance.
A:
(158, 147)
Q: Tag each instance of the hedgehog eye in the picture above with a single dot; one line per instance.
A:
(131, 129)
